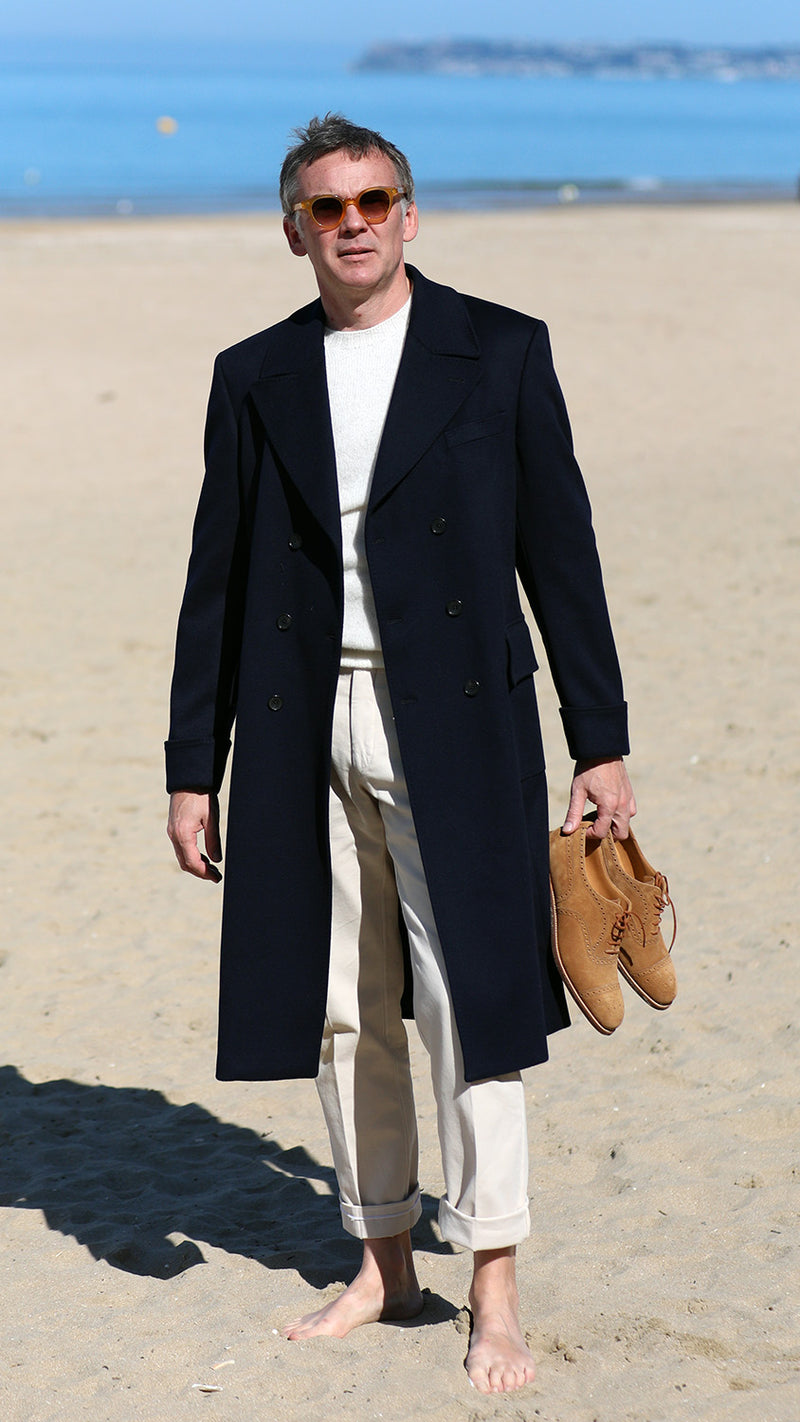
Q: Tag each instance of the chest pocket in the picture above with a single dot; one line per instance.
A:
(474, 429)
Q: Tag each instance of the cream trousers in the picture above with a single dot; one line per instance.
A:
(364, 1078)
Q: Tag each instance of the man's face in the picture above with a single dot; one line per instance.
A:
(355, 258)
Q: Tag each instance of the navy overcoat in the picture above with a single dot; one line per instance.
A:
(475, 477)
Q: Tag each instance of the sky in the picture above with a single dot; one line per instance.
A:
(358, 24)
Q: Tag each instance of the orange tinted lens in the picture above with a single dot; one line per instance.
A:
(327, 212)
(374, 204)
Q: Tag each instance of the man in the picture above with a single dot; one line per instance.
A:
(377, 466)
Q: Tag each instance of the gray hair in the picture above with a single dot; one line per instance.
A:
(335, 134)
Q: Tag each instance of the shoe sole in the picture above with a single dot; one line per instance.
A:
(659, 1006)
(587, 1012)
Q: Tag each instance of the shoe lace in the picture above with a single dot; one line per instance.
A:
(622, 923)
(661, 902)
(620, 927)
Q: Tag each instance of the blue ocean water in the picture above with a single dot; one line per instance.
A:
(78, 122)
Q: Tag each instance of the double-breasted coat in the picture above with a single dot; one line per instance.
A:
(475, 478)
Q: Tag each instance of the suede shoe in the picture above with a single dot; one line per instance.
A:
(589, 917)
(644, 959)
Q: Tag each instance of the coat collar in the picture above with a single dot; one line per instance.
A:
(438, 370)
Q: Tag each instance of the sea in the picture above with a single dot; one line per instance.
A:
(106, 127)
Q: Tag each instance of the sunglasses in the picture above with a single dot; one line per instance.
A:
(373, 204)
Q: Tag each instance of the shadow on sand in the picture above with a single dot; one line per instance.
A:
(122, 1169)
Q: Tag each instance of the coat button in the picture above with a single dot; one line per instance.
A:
(283, 621)
(471, 688)
(295, 542)
(455, 607)
(438, 525)
(275, 703)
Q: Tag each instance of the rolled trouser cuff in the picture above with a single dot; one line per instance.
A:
(498, 1232)
(381, 1221)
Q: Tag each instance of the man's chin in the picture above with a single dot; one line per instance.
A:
(358, 274)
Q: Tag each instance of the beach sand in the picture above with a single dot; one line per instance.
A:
(157, 1226)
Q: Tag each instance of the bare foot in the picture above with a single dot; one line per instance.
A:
(498, 1359)
(384, 1288)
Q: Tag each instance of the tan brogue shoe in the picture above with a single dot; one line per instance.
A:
(644, 959)
(589, 918)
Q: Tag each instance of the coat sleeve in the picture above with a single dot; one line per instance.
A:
(559, 567)
(204, 683)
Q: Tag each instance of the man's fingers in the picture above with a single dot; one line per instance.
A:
(213, 842)
(577, 805)
(193, 862)
(190, 815)
(186, 851)
(621, 821)
(600, 826)
(605, 783)
(615, 818)
(210, 871)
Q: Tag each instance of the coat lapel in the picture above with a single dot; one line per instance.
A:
(291, 397)
(439, 369)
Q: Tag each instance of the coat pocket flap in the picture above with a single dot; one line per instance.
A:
(475, 429)
(521, 659)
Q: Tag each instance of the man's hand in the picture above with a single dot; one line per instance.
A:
(190, 812)
(606, 784)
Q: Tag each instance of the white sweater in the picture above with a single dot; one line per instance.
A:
(361, 368)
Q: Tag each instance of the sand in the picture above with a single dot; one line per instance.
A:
(158, 1226)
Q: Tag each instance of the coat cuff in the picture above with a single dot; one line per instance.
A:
(596, 732)
(195, 764)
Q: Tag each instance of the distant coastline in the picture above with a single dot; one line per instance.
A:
(475, 194)
(522, 58)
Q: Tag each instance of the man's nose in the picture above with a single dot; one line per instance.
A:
(352, 221)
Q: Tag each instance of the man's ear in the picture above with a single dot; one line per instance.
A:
(410, 222)
(294, 237)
